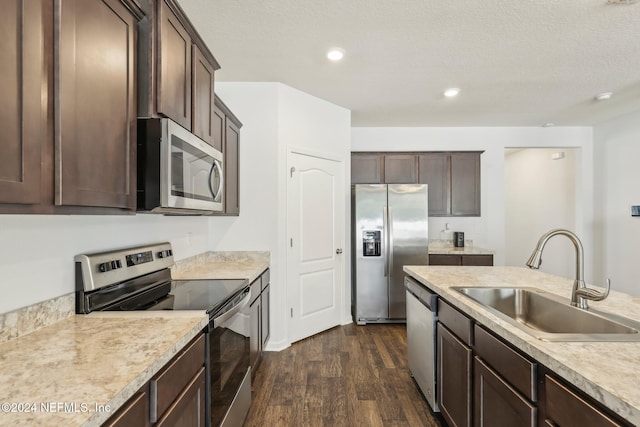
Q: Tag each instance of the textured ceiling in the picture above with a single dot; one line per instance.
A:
(518, 63)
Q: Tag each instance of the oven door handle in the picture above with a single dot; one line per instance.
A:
(237, 308)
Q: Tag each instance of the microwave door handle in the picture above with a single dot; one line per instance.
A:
(216, 165)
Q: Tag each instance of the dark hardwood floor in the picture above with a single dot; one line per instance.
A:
(346, 376)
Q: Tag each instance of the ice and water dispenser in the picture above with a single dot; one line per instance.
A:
(371, 243)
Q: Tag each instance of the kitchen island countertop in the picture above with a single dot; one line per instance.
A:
(607, 371)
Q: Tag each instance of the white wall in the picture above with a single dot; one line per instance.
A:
(488, 230)
(540, 195)
(36, 255)
(617, 153)
(275, 118)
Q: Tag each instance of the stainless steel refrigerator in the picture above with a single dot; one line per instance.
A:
(390, 230)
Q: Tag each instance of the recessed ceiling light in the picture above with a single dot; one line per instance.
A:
(335, 54)
(451, 92)
(604, 96)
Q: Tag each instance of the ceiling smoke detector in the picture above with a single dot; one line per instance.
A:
(622, 1)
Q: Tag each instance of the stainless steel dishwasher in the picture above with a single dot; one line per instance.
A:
(422, 309)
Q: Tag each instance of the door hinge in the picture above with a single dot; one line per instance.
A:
(291, 242)
(292, 312)
(293, 169)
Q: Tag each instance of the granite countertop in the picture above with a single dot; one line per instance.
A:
(222, 265)
(607, 371)
(68, 373)
(451, 250)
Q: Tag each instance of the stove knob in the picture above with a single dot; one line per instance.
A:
(104, 267)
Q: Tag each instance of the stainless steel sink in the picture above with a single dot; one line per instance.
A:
(548, 317)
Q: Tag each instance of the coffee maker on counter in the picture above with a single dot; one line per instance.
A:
(458, 239)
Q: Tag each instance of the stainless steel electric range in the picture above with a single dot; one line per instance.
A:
(139, 278)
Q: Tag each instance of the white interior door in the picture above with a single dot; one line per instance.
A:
(315, 226)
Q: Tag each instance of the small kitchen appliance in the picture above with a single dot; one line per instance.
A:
(139, 278)
(458, 239)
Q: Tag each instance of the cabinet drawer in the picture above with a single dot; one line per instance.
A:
(256, 289)
(455, 321)
(266, 277)
(519, 371)
(169, 383)
(438, 259)
(565, 408)
(477, 260)
(134, 413)
(189, 408)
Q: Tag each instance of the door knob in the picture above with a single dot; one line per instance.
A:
(338, 251)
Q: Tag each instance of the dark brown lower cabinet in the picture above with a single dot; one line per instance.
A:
(566, 408)
(259, 318)
(134, 413)
(496, 403)
(453, 259)
(454, 379)
(189, 407)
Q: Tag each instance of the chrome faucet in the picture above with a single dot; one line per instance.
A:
(579, 293)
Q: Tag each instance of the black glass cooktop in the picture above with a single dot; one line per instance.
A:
(208, 295)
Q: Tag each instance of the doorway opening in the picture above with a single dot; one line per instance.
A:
(541, 188)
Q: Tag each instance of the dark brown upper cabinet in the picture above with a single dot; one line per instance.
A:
(176, 70)
(23, 80)
(454, 182)
(95, 140)
(69, 146)
(202, 97)
(367, 168)
(453, 177)
(465, 184)
(434, 170)
(174, 67)
(400, 169)
(226, 131)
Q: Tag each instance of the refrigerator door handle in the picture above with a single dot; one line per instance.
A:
(385, 238)
(390, 239)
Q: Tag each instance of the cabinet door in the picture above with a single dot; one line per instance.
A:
(218, 128)
(134, 413)
(231, 168)
(23, 80)
(255, 340)
(366, 168)
(400, 169)
(465, 184)
(265, 317)
(174, 67)
(433, 170)
(96, 105)
(496, 403)
(202, 97)
(188, 409)
(454, 379)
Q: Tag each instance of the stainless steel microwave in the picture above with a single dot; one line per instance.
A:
(178, 173)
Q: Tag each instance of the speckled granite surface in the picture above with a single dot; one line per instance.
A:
(607, 371)
(59, 373)
(28, 319)
(222, 265)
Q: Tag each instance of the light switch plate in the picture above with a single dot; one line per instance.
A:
(635, 210)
